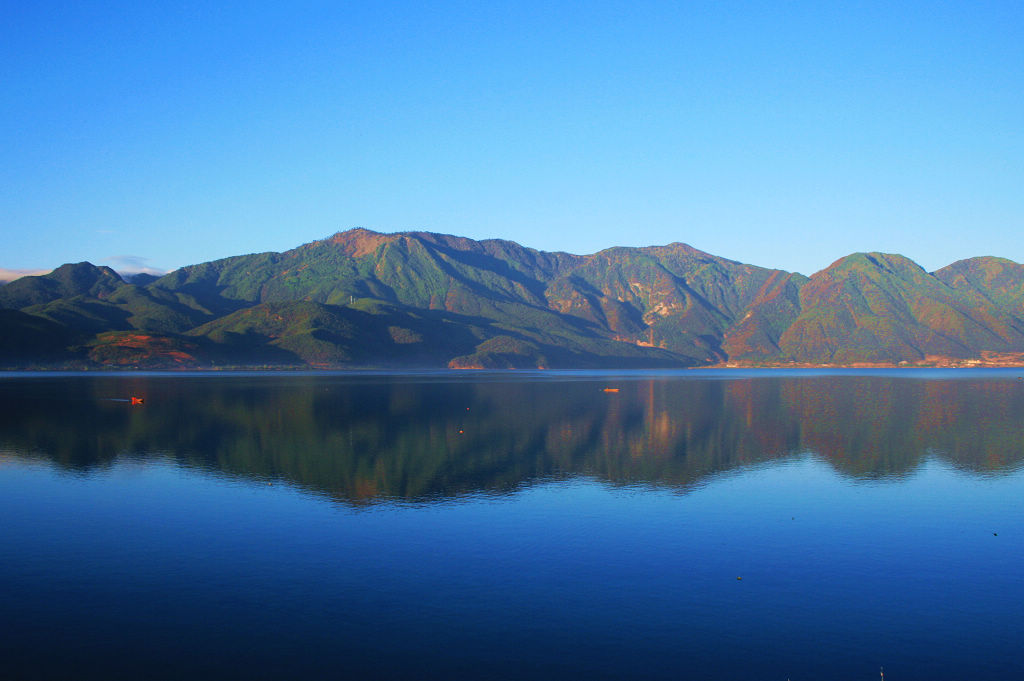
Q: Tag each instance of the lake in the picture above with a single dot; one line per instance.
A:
(521, 525)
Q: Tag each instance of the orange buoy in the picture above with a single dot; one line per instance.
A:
(611, 390)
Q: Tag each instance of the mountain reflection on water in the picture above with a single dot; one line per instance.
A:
(361, 439)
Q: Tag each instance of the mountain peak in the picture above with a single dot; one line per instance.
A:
(82, 274)
(987, 263)
(359, 241)
(891, 263)
(72, 279)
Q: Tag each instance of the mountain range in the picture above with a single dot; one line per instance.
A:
(417, 299)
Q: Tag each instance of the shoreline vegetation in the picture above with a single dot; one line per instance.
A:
(1015, 362)
(987, 360)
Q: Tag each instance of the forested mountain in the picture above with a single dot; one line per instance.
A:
(419, 299)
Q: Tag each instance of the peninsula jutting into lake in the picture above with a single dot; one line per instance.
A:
(424, 300)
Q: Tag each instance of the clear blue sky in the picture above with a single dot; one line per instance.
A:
(783, 134)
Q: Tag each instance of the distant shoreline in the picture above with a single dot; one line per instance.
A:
(294, 369)
(949, 364)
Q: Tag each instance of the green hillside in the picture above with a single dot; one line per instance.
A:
(997, 281)
(874, 307)
(417, 299)
(81, 279)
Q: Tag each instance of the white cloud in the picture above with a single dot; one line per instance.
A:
(129, 265)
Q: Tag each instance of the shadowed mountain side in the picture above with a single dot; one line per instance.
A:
(27, 338)
(375, 333)
(81, 279)
(129, 307)
(311, 333)
(364, 439)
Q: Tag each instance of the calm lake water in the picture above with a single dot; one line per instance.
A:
(707, 525)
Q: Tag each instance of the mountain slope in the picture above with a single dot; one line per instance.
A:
(674, 297)
(361, 298)
(757, 334)
(987, 280)
(66, 281)
(26, 339)
(874, 307)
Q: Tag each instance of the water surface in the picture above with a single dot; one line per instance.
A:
(720, 525)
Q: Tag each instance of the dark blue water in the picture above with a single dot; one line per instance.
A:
(749, 525)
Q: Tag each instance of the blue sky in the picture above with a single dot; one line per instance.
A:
(781, 134)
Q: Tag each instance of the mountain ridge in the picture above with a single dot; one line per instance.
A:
(361, 298)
